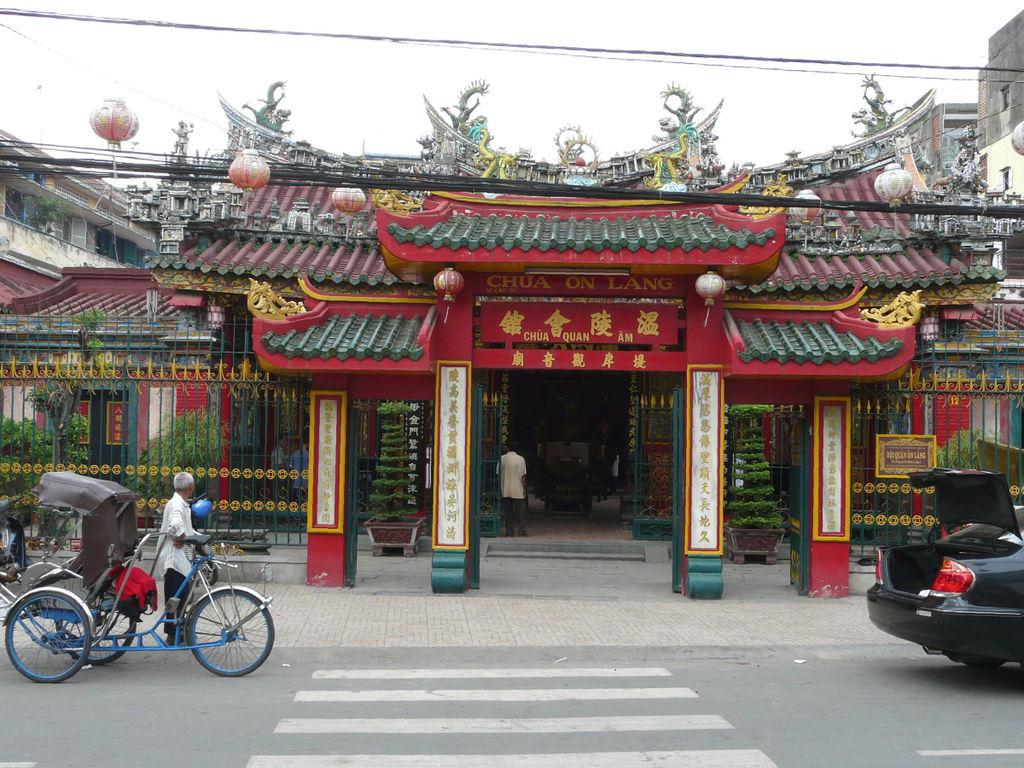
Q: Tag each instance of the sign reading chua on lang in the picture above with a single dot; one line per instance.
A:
(582, 323)
(899, 455)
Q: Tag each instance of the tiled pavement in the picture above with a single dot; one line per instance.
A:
(757, 612)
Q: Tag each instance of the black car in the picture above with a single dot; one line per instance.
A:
(961, 595)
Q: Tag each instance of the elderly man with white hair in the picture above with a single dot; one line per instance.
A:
(177, 524)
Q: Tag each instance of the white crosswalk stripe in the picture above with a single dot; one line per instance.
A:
(502, 725)
(506, 694)
(969, 752)
(17, 765)
(487, 674)
(455, 713)
(690, 758)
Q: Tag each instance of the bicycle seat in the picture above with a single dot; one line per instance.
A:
(198, 540)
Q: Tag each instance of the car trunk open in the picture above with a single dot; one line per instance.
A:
(913, 568)
(965, 496)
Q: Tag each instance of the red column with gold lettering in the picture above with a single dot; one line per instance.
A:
(829, 567)
(326, 496)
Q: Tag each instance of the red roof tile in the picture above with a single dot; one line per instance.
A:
(114, 291)
(356, 262)
(998, 317)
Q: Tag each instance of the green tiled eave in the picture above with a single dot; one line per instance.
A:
(547, 233)
(953, 276)
(812, 342)
(351, 337)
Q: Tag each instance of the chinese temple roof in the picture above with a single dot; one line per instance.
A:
(909, 268)
(123, 292)
(614, 234)
(356, 336)
(17, 280)
(356, 262)
(998, 317)
(825, 344)
(817, 342)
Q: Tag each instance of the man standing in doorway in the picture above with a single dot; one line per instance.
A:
(512, 471)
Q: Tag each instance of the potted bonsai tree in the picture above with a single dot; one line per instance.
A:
(390, 498)
(754, 523)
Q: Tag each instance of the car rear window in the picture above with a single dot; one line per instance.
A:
(978, 533)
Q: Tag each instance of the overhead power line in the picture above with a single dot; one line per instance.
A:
(287, 174)
(497, 45)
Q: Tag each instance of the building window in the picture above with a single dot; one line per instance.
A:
(1007, 176)
(14, 205)
(1004, 97)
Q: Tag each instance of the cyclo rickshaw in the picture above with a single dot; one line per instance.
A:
(83, 612)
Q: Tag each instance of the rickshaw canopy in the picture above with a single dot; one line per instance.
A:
(86, 495)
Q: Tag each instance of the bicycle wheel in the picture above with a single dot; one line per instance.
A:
(46, 636)
(245, 648)
(123, 625)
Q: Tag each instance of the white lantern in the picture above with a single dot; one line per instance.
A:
(710, 286)
(893, 184)
(805, 214)
(1017, 139)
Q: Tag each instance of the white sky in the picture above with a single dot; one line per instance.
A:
(346, 96)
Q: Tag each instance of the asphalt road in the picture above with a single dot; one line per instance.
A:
(845, 707)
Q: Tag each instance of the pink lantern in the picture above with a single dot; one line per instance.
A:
(113, 121)
(348, 199)
(448, 284)
(805, 214)
(249, 171)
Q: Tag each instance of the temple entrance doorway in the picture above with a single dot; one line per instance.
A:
(572, 429)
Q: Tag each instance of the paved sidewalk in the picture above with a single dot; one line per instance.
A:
(392, 607)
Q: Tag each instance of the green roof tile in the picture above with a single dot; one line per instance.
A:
(546, 233)
(353, 336)
(811, 342)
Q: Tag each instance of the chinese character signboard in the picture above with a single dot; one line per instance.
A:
(899, 455)
(831, 469)
(327, 439)
(704, 487)
(577, 360)
(579, 323)
(115, 423)
(451, 468)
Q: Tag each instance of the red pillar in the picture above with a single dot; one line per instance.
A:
(325, 560)
(829, 551)
(327, 496)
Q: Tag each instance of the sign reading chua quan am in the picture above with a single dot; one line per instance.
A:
(583, 323)
(899, 455)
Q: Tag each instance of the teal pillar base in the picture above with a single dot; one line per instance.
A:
(448, 572)
(704, 577)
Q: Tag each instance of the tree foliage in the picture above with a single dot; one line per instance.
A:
(25, 443)
(751, 502)
(389, 494)
(193, 439)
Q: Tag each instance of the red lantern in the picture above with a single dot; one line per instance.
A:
(348, 199)
(249, 171)
(448, 284)
(113, 121)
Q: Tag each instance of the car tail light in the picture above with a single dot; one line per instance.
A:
(879, 556)
(952, 580)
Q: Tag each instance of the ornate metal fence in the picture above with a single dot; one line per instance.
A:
(136, 399)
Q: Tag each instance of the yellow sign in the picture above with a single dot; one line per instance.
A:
(899, 455)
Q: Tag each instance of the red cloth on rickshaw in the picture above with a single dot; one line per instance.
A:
(139, 592)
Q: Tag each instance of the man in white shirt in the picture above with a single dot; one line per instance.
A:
(176, 525)
(512, 472)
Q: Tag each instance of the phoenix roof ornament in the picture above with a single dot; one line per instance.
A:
(876, 117)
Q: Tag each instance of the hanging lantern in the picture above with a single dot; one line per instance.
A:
(249, 171)
(113, 121)
(893, 184)
(710, 286)
(348, 199)
(448, 284)
(802, 215)
(1017, 139)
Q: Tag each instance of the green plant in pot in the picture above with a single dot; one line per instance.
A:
(390, 498)
(754, 526)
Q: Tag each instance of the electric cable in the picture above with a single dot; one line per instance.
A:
(526, 47)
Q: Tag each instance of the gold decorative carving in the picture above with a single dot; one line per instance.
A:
(494, 164)
(395, 200)
(667, 163)
(902, 312)
(777, 188)
(263, 301)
